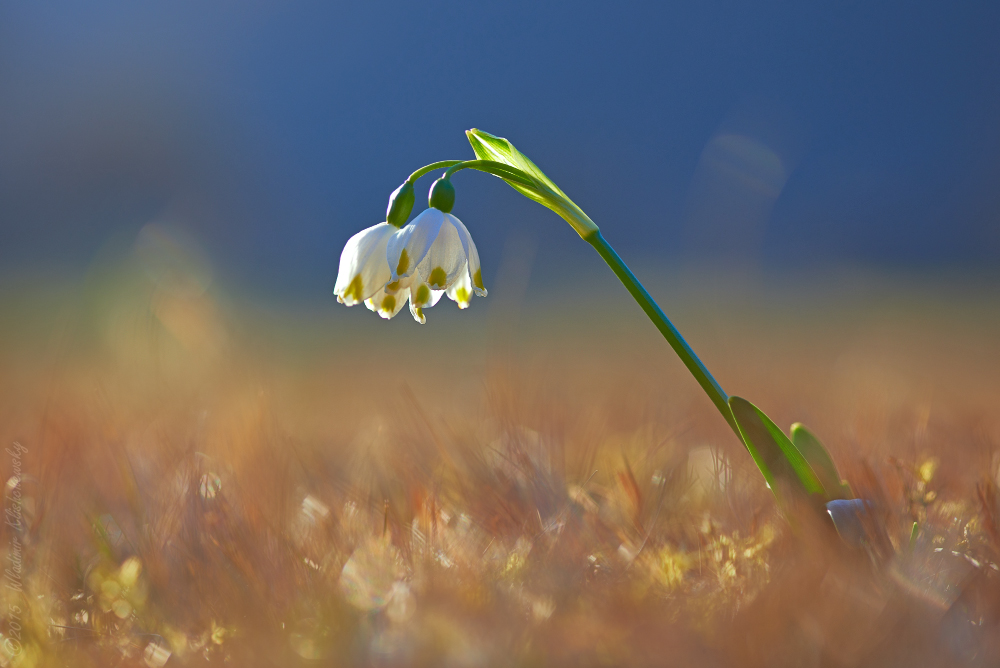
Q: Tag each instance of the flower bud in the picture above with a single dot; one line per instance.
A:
(442, 195)
(400, 205)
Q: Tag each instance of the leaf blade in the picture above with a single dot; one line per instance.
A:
(821, 462)
(775, 455)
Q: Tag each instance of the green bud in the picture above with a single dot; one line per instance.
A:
(400, 205)
(442, 195)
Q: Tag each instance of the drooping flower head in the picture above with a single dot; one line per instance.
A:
(431, 256)
(434, 255)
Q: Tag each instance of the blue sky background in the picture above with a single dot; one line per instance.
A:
(791, 133)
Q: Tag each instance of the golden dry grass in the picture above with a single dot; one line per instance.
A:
(205, 484)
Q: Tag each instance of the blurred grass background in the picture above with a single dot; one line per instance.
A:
(534, 481)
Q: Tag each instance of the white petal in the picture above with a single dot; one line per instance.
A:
(363, 268)
(392, 287)
(422, 297)
(446, 257)
(408, 246)
(475, 271)
(418, 313)
(387, 305)
(461, 291)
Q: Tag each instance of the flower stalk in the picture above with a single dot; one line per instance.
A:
(427, 169)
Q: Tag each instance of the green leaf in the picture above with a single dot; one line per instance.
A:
(820, 461)
(775, 455)
(541, 189)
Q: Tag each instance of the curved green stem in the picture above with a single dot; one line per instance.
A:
(491, 167)
(667, 329)
(431, 167)
(488, 166)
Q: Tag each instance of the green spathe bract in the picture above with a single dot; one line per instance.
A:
(541, 189)
(800, 464)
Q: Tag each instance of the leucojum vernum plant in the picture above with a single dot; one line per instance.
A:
(395, 262)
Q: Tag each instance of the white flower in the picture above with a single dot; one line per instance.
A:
(432, 256)
(363, 267)
(388, 301)
(436, 251)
